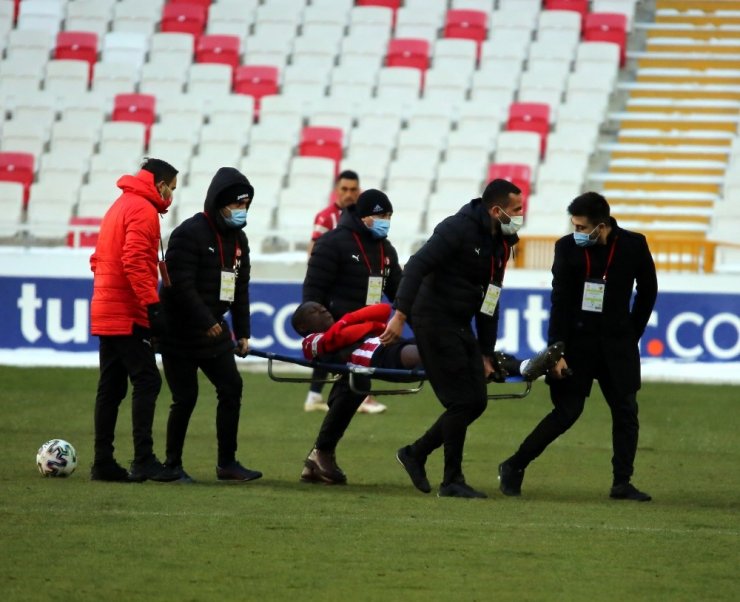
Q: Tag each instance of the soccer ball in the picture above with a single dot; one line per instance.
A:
(56, 458)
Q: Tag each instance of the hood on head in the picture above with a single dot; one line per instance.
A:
(225, 177)
(142, 184)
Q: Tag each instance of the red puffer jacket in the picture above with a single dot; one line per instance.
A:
(125, 258)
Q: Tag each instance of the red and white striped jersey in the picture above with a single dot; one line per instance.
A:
(363, 355)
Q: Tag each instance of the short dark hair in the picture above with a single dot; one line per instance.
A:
(347, 174)
(161, 170)
(592, 206)
(497, 192)
(301, 320)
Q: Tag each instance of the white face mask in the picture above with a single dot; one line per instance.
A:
(515, 222)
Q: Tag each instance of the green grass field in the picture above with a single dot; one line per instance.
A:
(377, 538)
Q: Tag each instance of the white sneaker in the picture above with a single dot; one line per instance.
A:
(315, 403)
(370, 405)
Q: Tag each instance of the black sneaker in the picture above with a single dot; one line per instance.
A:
(510, 479)
(172, 474)
(415, 469)
(108, 471)
(142, 471)
(627, 491)
(459, 490)
(236, 472)
(543, 361)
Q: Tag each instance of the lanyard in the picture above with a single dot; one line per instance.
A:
(364, 255)
(608, 261)
(503, 263)
(220, 246)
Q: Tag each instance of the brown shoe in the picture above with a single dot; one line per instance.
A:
(324, 467)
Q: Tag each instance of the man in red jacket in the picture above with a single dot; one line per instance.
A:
(125, 314)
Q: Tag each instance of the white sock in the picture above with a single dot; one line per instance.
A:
(313, 397)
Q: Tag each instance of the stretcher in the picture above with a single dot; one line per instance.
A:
(360, 377)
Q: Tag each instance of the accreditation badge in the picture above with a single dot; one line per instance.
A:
(374, 290)
(490, 301)
(228, 286)
(593, 296)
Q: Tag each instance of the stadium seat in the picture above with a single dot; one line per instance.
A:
(209, 80)
(125, 47)
(80, 45)
(518, 147)
(204, 3)
(218, 49)
(135, 107)
(518, 174)
(125, 138)
(530, 117)
(184, 17)
(11, 208)
(466, 24)
(88, 15)
(627, 8)
(444, 84)
(135, 16)
(422, 23)
(408, 53)
(231, 17)
(256, 81)
(66, 78)
(456, 54)
(41, 15)
(579, 6)
(84, 231)
(607, 27)
(321, 142)
(399, 84)
(234, 109)
(111, 78)
(17, 167)
(24, 136)
(371, 21)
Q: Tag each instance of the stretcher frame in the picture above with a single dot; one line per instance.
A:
(355, 373)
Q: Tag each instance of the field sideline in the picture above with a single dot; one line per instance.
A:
(377, 538)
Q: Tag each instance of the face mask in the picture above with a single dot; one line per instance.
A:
(237, 218)
(515, 222)
(586, 240)
(380, 228)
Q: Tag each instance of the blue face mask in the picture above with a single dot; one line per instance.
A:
(380, 228)
(237, 219)
(586, 240)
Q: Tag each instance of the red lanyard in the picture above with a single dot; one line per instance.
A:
(220, 246)
(503, 264)
(608, 261)
(364, 255)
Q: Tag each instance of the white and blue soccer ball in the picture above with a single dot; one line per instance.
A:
(56, 458)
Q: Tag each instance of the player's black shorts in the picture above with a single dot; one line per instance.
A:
(389, 356)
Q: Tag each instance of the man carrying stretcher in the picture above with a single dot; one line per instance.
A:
(353, 339)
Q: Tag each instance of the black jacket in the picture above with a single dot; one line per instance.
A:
(191, 305)
(618, 328)
(337, 275)
(447, 279)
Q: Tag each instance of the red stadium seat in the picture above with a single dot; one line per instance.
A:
(256, 81)
(17, 167)
(518, 174)
(579, 6)
(530, 117)
(467, 24)
(218, 49)
(78, 45)
(135, 107)
(84, 237)
(408, 52)
(322, 142)
(392, 4)
(607, 27)
(204, 3)
(184, 17)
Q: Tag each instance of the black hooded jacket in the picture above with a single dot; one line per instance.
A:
(198, 249)
(337, 275)
(445, 282)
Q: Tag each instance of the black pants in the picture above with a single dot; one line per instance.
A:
(319, 374)
(343, 404)
(568, 402)
(123, 358)
(182, 377)
(454, 366)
